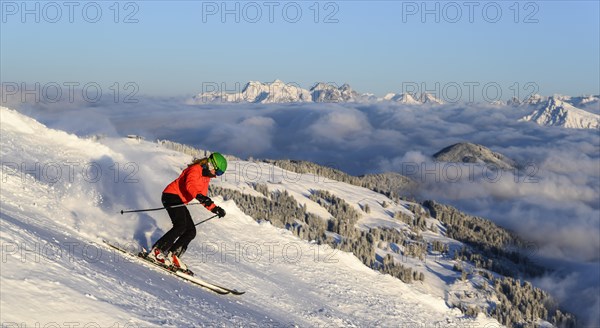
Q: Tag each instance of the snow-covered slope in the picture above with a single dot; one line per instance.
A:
(61, 196)
(590, 103)
(557, 112)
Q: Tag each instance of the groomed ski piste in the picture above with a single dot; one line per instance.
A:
(61, 195)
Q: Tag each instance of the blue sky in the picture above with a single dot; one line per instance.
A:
(172, 48)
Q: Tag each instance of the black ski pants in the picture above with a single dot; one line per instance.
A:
(183, 232)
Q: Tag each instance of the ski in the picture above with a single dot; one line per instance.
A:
(141, 257)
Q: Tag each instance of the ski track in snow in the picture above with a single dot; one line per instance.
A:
(55, 269)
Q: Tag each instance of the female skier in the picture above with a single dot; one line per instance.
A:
(192, 183)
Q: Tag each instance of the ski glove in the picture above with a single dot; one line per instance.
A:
(206, 201)
(218, 211)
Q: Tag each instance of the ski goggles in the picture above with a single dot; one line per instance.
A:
(213, 166)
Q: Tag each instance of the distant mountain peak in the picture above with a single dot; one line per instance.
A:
(428, 98)
(534, 99)
(466, 152)
(403, 98)
(259, 92)
(328, 92)
(558, 112)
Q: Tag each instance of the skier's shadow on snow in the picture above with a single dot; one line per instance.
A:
(145, 225)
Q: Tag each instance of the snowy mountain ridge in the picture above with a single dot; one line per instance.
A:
(259, 92)
(281, 92)
(327, 92)
(559, 111)
(289, 281)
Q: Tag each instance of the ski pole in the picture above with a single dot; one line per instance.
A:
(156, 209)
(210, 218)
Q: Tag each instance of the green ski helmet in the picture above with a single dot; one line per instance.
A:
(219, 162)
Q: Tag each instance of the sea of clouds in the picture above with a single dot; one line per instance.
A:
(552, 198)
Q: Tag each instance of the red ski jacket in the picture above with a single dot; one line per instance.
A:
(190, 183)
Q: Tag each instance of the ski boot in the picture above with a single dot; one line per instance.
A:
(157, 256)
(178, 265)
